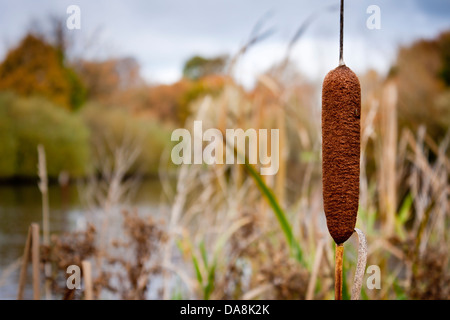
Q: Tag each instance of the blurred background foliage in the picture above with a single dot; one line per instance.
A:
(99, 118)
(113, 93)
(423, 73)
(68, 105)
(36, 67)
(198, 67)
(27, 122)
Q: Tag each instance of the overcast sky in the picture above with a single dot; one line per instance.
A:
(163, 34)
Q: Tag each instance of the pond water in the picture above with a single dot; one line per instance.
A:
(21, 205)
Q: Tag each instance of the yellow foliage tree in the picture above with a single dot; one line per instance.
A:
(37, 68)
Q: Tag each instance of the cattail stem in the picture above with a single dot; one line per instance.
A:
(339, 257)
(341, 36)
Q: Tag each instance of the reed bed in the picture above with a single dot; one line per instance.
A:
(226, 219)
(231, 233)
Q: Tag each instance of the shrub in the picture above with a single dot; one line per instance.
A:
(8, 139)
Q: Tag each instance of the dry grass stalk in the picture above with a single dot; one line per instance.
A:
(338, 271)
(387, 169)
(35, 261)
(23, 270)
(87, 276)
(43, 187)
(315, 270)
(361, 265)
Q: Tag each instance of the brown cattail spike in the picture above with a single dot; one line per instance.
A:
(341, 109)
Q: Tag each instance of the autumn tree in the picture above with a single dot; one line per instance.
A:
(104, 79)
(36, 67)
(423, 73)
(198, 67)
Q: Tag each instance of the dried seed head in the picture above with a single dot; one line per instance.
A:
(341, 107)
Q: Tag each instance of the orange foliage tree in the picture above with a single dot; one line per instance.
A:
(108, 80)
(37, 68)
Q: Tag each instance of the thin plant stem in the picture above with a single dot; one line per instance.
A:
(339, 257)
(361, 265)
(341, 36)
(43, 187)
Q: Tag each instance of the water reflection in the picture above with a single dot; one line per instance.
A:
(20, 205)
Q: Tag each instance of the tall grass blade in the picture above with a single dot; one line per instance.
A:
(279, 213)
